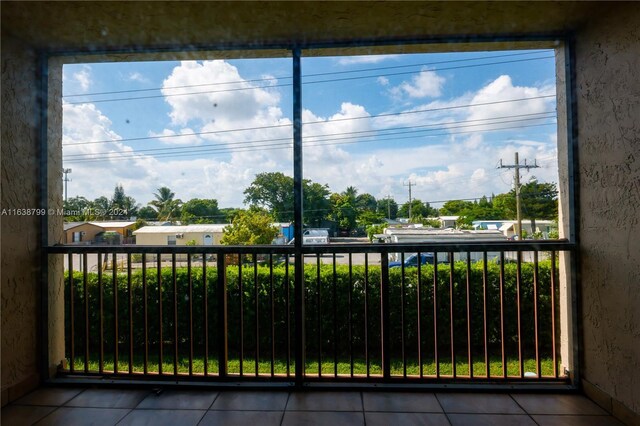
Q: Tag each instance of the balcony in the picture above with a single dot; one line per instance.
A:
(229, 315)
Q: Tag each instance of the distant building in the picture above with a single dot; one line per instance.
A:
(202, 234)
(509, 227)
(80, 232)
(448, 221)
(95, 232)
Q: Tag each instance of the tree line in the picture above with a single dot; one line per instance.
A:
(271, 194)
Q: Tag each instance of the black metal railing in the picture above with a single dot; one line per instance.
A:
(414, 313)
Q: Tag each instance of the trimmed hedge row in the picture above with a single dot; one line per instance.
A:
(342, 309)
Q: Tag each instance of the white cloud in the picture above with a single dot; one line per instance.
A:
(85, 123)
(189, 137)
(227, 101)
(427, 84)
(502, 88)
(188, 177)
(136, 76)
(77, 78)
(383, 81)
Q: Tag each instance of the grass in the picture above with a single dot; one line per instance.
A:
(328, 369)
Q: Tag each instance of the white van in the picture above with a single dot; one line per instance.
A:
(314, 236)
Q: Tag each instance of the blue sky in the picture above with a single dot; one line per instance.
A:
(441, 121)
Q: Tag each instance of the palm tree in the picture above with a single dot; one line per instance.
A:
(351, 193)
(165, 205)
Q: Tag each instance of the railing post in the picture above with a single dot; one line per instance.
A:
(385, 315)
(222, 316)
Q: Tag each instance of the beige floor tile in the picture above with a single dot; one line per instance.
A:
(77, 416)
(322, 418)
(23, 415)
(162, 418)
(242, 418)
(406, 419)
(325, 401)
(108, 398)
(49, 396)
(557, 404)
(569, 420)
(478, 403)
(264, 400)
(491, 420)
(408, 402)
(179, 400)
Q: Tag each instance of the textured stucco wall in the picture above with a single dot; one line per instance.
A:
(608, 107)
(20, 234)
(55, 222)
(93, 25)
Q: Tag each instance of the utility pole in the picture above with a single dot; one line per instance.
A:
(66, 180)
(516, 178)
(410, 184)
(389, 206)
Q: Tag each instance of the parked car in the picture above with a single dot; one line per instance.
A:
(412, 260)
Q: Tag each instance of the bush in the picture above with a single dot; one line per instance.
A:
(342, 309)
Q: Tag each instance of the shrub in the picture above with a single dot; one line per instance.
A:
(342, 308)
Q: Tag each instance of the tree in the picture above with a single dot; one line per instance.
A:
(122, 205)
(455, 207)
(199, 210)
(147, 213)
(537, 201)
(343, 210)
(165, 205)
(388, 207)
(316, 205)
(418, 209)
(250, 227)
(101, 207)
(367, 218)
(366, 202)
(274, 191)
(229, 213)
(367, 211)
(78, 209)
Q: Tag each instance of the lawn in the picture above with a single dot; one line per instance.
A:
(328, 369)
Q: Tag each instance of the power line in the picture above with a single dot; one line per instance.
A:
(305, 75)
(319, 121)
(375, 133)
(287, 145)
(433, 70)
(306, 82)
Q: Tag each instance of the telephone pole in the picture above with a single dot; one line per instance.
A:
(66, 180)
(410, 184)
(516, 178)
(389, 206)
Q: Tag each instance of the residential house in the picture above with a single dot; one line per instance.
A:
(202, 234)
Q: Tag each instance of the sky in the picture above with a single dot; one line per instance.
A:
(442, 122)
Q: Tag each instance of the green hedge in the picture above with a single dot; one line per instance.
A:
(341, 296)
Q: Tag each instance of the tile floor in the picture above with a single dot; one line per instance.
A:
(66, 406)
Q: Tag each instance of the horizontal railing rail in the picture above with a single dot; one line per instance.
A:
(462, 246)
(465, 312)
